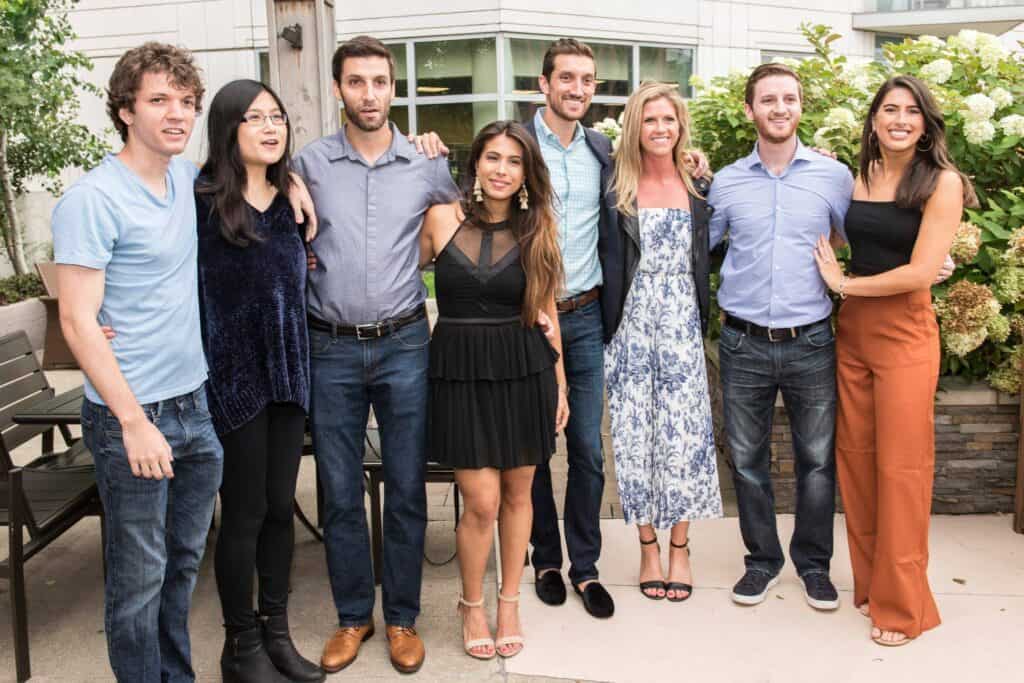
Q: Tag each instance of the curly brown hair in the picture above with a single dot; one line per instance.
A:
(151, 57)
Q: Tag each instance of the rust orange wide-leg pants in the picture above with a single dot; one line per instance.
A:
(887, 357)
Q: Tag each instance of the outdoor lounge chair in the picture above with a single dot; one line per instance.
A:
(47, 496)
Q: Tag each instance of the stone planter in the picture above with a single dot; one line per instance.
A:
(976, 437)
(28, 315)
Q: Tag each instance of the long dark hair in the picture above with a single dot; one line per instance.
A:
(932, 157)
(223, 175)
(534, 228)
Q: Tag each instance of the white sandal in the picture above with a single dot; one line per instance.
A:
(468, 645)
(509, 640)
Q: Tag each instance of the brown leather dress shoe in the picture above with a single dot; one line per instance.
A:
(406, 648)
(342, 648)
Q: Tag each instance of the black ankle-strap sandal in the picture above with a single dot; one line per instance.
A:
(678, 586)
(652, 585)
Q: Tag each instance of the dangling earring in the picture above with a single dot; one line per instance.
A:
(524, 198)
(925, 138)
(478, 192)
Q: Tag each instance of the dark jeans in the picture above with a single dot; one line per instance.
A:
(257, 536)
(804, 369)
(583, 354)
(156, 532)
(348, 376)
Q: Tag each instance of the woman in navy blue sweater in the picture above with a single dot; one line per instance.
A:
(252, 281)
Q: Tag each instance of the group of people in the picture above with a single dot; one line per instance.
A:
(214, 309)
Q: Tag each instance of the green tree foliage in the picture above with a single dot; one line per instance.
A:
(40, 81)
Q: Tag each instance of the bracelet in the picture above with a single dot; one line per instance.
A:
(842, 285)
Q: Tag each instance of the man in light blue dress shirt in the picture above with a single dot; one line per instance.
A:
(579, 161)
(777, 334)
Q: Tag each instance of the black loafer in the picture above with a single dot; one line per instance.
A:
(550, 587)
(596, 600)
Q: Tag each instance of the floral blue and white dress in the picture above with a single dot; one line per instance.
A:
(656, 378)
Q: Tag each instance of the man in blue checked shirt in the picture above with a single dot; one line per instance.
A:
(579, 161)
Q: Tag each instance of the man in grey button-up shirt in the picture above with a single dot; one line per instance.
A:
(370, 215)
(371, 189)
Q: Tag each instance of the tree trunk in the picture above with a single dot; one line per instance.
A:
(12, 225)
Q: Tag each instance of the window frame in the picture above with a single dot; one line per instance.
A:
(505, 99)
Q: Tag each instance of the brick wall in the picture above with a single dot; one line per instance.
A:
(976, 435)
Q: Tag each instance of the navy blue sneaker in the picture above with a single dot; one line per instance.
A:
(820, 592)
(752, 589)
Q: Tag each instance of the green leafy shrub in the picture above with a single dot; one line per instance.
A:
(20, 287)
(980, 86)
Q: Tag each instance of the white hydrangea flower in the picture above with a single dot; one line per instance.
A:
(978, 132)
(821, 138)
(715, 90)
(991, 54)
(857, 76)
(1012, 125)
(840, 117)
(967, 39)
(1001, 97)
(939, 71)
(988, 40)
(980, 107)
(931, 41)
(697, 82)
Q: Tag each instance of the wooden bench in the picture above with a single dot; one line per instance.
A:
(56, 352)
(47, 496)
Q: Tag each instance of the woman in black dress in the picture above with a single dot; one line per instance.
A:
(497, 395)
(252, 281)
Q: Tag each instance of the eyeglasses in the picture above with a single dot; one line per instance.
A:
(259, 120)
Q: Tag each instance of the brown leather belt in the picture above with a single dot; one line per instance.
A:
(368, 330)
(579, 301)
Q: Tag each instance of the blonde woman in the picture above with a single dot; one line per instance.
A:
(654, 365)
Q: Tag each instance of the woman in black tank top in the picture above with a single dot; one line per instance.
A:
(497, 385)
(906, 206)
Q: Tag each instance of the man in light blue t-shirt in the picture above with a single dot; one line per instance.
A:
(125, 243)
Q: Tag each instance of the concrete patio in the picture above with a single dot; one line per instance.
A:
(977, 572)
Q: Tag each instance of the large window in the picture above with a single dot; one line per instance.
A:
(456, 86)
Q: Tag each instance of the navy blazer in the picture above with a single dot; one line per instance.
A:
(609, 242)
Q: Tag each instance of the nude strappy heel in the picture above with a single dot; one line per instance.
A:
(468, 645)
(509, 640)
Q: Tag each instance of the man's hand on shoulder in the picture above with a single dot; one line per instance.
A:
(302, 205)
(430, 144)
(825, 153)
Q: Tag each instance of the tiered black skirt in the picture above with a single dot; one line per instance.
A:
(493, 395)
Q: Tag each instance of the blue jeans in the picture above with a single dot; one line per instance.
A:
(583, 354)
(754, 369)
(156, 533)
(348, 376)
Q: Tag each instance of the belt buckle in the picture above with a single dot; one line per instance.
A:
(374, 327)
(770, 338)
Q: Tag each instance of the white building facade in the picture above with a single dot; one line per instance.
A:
(464, 63)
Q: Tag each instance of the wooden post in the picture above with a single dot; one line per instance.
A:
(1018, 499)
(302, 41)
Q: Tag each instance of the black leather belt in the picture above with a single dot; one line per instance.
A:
(368, 330)
(773, 334)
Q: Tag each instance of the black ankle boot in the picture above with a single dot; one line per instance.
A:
(278, 643)
(244, 659)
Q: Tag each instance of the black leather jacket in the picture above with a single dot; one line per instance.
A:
(620, 278)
